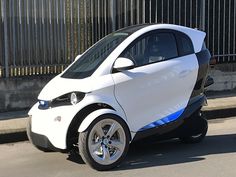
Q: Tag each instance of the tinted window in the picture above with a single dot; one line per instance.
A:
(152, 48)
(89, 62)
(185, 45)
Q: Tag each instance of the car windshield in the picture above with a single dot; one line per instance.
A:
(89, 62)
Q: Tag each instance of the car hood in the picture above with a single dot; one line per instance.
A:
(59, 86)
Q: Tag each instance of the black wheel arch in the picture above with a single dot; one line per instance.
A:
(72, 133)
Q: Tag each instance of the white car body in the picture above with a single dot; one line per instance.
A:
(143, 97)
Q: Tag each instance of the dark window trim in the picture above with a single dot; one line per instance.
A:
(179, 34)
(153, 32)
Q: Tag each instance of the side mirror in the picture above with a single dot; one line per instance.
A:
(77, 57)
(122, 64)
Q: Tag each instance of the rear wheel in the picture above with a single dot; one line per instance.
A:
(197, 137)
(194, 138)
(105, 143)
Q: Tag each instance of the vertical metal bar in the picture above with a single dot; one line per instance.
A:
(229, 27)
(208, 23)
(62, 32)
(122, 19)
(17, 33)
(96, 21)
(179, 11)
(28, 31)
(132, 12)
(6, 41)
(32, 28)
(25, 36)
(156, 19)
(14, 32)
(224, 28)
(105, 17)
(92, 21)
(125, 12)
(57, 39)
(9, 14)
(39, 32)
(113, 14)
(55, 32)
(44, 25)
(51, 33)
(119, 21)
(218, 36)
(150, 11)
(65, 32)
(99, 25)
(1, 40)
(85, 26)
(42, 35)
(203, 15)
(196, 15)
(191, 13)
(168, 11)
(162, 10)
(174, 11)
(234, 29)
(21, 33)
(78, 24)
(185, 14)
(36, 32)
(72, 57)
(102, 17)
(143, 10)
(48, 33)
(138, 11)
(213, 26)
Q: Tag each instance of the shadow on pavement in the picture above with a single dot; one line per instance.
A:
(149, 154)
(145, 153)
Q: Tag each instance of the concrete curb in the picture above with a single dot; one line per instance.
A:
(13, 137)
(13, 130)
(220, 113)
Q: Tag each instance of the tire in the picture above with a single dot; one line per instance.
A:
(196, 138)
(28, 130)
(105, 143)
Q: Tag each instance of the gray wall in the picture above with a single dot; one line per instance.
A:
(224, 76)
(20, 93)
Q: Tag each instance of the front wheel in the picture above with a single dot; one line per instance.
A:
(105, 143)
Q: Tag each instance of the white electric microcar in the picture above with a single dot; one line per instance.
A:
(144, 80)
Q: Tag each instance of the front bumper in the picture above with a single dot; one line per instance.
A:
(40, 141)
(51, 125)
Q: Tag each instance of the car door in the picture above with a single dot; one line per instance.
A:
(157, 90)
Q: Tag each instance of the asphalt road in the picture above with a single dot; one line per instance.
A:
(214, 157)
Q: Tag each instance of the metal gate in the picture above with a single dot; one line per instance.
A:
(43, 36)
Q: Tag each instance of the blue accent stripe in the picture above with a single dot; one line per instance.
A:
(165, 120)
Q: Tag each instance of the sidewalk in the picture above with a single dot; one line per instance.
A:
(221, 106)
(14, 124)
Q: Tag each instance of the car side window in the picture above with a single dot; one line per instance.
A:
(152, 48)
(185, 45)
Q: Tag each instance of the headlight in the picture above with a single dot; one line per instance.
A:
(76, 97)
(43, 104)
(66, 99)
(73, 99)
